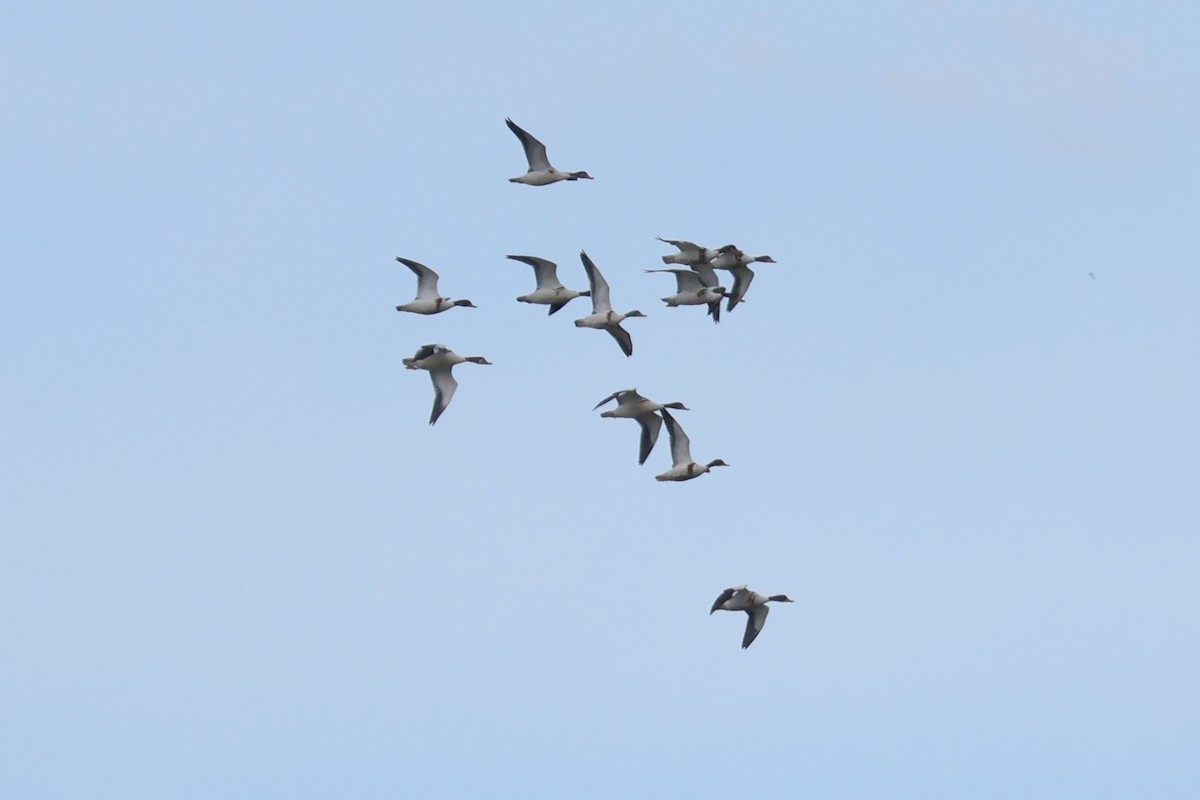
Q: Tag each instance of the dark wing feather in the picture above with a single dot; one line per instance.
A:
(741, 284)
(725, 595)
(425, 351)
(755, 617)
(444, 386)
(651, 425)
(535, 151)
(623, 338)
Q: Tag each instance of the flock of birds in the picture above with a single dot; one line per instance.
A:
(696, 284)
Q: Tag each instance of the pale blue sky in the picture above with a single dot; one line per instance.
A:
(237, 563)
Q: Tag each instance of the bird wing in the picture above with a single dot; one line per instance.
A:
(443, 391)
(708, 276)
(684, 246)
(629, 397)
(427, 279)
(599, 286)
(651, 425)
(612, 396)
(755, 618)
(720, 601)
(535, 151)
(742, 276)
(685, 279)
(622, 396)
(545, 272)
(681, 446)
(427, 350)
(623, 338)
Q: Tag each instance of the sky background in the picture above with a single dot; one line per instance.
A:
(236, 561)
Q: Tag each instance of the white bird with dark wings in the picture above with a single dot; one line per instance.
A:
(683, 468)
(739, 598)
(697, 286)
(738, 263)
(549, 291)
(439, 360)
(428, 301)
(541, 172)
(603, 317)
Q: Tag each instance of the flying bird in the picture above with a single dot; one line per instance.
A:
(428, 301)
(691, 289)
(739, 598)
(631, 405)
(440, 360)
(540, 173)
(683, 468)
(549, 291)
(738, 263)
(730, 256)
(603, 317)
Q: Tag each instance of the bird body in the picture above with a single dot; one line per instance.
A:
(439, 360)
(541, 172)
(428, 301)
(739, 598)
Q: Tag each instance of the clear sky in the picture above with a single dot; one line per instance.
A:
(237, 563)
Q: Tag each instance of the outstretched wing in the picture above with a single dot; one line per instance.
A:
(443, 391)
(681, 446)
(720, 601)
(623, 338)
(685, 279)
(426, 350)
(600, 302)
(545, 272)
(651, 425)
(684, 246)
(612, 396)
(741, 283)
(535, 151)
(427, 279)
(756, 617)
